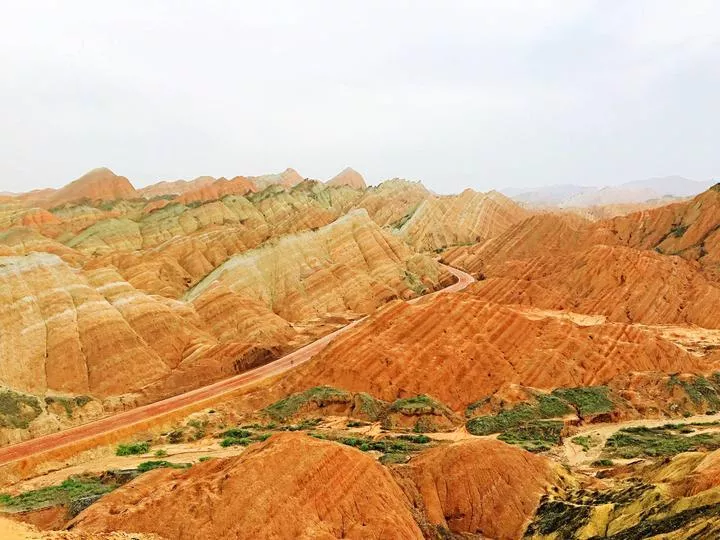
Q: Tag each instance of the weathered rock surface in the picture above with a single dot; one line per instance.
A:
(626, 285)
(291, 486)
(481, 487)
(460, 348)
(218, 189)
(350, 264)
(457, 219)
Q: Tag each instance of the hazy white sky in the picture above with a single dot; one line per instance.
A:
(456, 94)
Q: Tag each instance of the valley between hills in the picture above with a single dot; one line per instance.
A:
(283, 357)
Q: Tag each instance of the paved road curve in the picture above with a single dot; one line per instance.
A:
(173, 404)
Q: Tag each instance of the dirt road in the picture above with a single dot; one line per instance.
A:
(175, 403)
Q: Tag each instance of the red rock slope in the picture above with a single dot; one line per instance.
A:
(290, 487)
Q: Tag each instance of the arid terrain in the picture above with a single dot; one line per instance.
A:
(282, 357)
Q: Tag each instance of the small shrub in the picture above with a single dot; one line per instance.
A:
(602, 463)
(74, 488)
(160, 453)
(203, 459)
(176, 436)
(235, 441)
(146, 466)
(132, 449)
(18, 410)
(417, 439)
(237, 433)
(583, 440)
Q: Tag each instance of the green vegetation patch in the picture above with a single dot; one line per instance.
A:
(146, 466)
(546, 406)
(18, 410)
(421, 404)
(69, 404)
(588, 400)
(132, 449)
(584, 441)
(668, 440)
(238, 433)
(72, 489)
(700, 389)
(535, 436)
(284, 409)
(368, 406)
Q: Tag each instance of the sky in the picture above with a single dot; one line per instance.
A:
(456, 94)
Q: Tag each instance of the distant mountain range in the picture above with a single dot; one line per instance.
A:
(569, 195)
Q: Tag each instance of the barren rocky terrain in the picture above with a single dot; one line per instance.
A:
(463, 366)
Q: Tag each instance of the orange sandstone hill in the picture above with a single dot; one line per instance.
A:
(466, 218)
(295, 486)
(217, 189)
(288, 178)
(624, 284)
(480, 487)
(348, 177)
(176, 187)
(292, 486)
(460, 348)
(97, 185)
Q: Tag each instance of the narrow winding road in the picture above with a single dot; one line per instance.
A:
(213, 391)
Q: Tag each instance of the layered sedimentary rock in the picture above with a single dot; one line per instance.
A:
(541, 234)
(457, 219)
(288, 178)
(292, 486)
(460, 348)
(350, 264)
(218, 189)
(176, 187)
(624, 284)
(97, 185)
(481, 487)
(393, 202)
(93, 333)
(348, 177)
